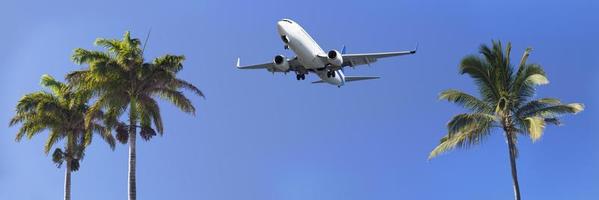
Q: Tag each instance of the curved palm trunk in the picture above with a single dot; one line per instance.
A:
(67, 181)
(132, 153)
(512, 151)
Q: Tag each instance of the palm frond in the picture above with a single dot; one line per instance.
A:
(52, 139)
(556, 110)
(535, 105)
(178, 99)
(479, 70)
(105, 134)
(554, 121)
(466, 100)
(178, 83)
(535, 127)
(170, 63)
(152, 110)
(49, 82)
(469, 121)
(464, 130)
(113, 46)
(82, 56)
(523, 87)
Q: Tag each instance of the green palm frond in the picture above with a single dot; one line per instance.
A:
(82, 56)
(554, 121)
(531, 75)
(501, 71)
(178, 99)
(169, 63)
(465, 100)
(465, 130)
(104, 133)
(468, 121)
(152, 111)
(555, 110)
(55, 86)
(52, 139)
(114, 46)
(479, 70)
(535, 105)
(178, 83)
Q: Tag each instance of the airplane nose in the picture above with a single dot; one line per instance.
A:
(280, 26)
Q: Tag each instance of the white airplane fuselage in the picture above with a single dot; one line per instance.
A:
(307, 51)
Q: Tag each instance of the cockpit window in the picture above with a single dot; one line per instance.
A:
(288, 21)
(285, 39)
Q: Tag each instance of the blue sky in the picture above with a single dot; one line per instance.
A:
(259, 136)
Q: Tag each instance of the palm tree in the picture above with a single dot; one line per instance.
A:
(506, 102)
(60, 111)
(121, 81)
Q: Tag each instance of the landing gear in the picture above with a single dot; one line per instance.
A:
(300, 77)
(330, 70)
(331, 73)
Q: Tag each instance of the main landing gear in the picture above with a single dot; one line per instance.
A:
(331, 73)
(300, 77)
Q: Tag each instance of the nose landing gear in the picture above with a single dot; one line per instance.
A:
(300, 77)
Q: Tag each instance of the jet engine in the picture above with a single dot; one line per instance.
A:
(334, 58)
(281, 63)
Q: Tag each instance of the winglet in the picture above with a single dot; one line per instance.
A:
(415, 49)
(343, 50)
(238, 59)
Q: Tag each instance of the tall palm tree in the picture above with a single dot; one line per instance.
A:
(61, 111)
(121, 81)
(506, 102)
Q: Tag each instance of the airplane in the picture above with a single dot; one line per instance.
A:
(311, 58)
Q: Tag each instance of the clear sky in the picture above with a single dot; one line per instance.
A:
(264, 137)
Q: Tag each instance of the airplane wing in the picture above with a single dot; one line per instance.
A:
(270, 66)
(353, 60)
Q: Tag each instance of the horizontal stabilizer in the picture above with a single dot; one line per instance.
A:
(353, 78)
(359, 78)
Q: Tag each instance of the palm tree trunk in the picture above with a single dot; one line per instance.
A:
(67, 181)
(132, 154)
(512, 151)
